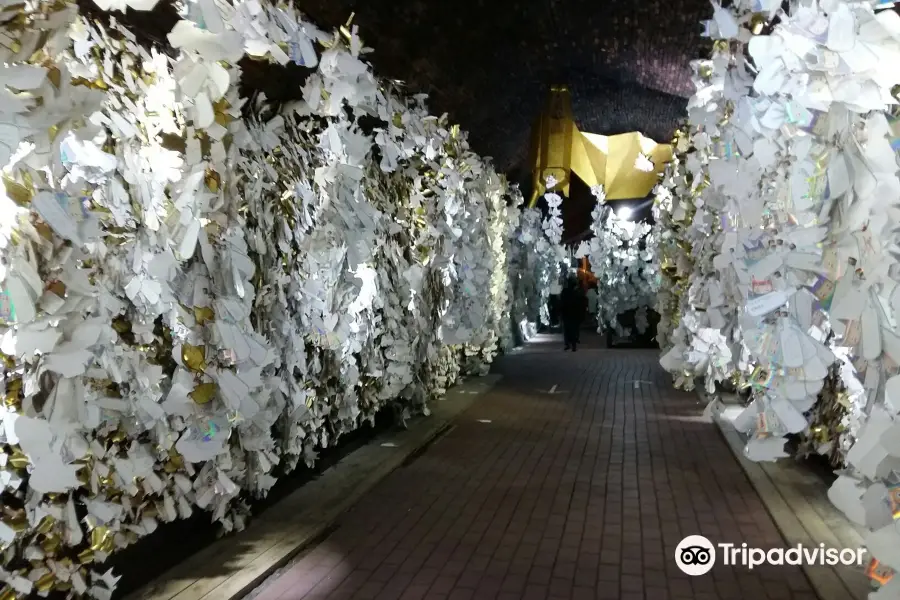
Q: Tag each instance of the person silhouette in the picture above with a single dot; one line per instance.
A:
(572, 306)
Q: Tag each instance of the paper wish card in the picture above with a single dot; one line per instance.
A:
(767, 449)
(204, 440)
(52, 468)
(759, 306)
(883, 574)
(884, 545)
(868, 455)
(846, 494)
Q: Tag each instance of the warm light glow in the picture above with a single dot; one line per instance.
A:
(624, 213)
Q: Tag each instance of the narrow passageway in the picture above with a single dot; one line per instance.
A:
(575, 477)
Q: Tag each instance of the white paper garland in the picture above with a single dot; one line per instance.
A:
(797, 199)
(194, 303)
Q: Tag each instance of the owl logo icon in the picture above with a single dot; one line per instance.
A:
(695, 555)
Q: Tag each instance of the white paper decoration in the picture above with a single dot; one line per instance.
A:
(621, 255)
(794, 187)
(198, 293)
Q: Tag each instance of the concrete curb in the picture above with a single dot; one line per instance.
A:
(799, 520)
(235, 565)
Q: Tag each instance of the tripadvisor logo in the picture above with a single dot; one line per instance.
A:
(696, 555)
(795, 555)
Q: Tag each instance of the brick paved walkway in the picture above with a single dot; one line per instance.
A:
(583, 493)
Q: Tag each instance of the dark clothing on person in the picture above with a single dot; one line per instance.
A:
(572, 307)
(553, 306)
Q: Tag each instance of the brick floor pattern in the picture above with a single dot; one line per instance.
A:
(579, 494)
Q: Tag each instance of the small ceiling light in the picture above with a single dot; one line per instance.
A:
(624, 213)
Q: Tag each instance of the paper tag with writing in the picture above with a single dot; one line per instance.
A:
(761, 286)
(815, 123)
(756, 251)
(7, 310)
(816, 191)
(852, 334)
(761, 377)
(762, 423)
(830, 264)
(894, 500)
(823, 290)
(872, 380)
(879, 572)
(797, 114)
(794, 372)
(763, 305)
(865, 243)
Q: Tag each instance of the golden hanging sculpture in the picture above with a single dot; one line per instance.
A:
(559, 149)
(552, 142)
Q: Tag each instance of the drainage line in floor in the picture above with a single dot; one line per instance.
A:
(413, 456)
(254, 588)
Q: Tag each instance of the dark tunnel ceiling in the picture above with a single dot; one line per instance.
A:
(488, 62)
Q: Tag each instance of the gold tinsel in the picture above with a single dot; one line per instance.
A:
(828, 414)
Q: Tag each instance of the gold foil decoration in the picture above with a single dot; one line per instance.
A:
(757, 23)
(44, 230)
(84, 475)
(213, 181)
(843, 398)
(97, 84)
(220, 109)
(45, 583)
(17, 524)
(102, 539)
(51, 544)
(213, 229)
(46, 525)
(17, 192)
(8, 594)
(173, 143)
(121, 325)
(86, 556)
(18, 459)
(203, 393)
(54, 76)
(345, 28)
(194, 357)
(203, 314)
(720, 46)
(13, 389)
(58, 288)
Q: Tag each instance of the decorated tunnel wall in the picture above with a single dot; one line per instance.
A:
(777, 228)
(204, 283)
